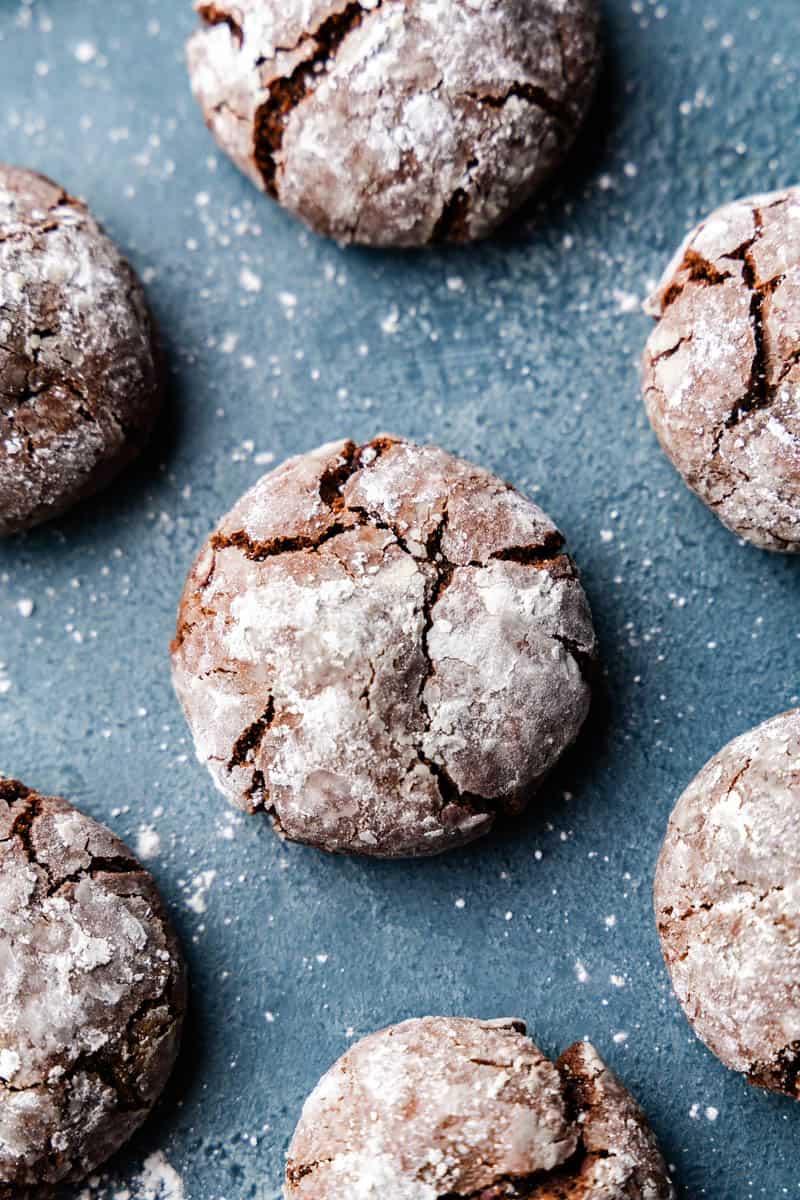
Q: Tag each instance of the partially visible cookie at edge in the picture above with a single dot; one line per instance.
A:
(727, 900)
(722, 366)
(396, 124)
(441, 1108)
(383, 647)
(80, 375)
(92, 993)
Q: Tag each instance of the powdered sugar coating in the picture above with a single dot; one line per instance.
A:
(721, 369)
(91, 992)
(727, 900)
(383, 646)
(451, 1107)
(392, 123)
(79, 385)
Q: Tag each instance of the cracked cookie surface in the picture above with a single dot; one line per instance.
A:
(92, 993)
(383, 647)
(458, 1109)
(79, 380)
(727, 900)
(396, 122)
(722, 367)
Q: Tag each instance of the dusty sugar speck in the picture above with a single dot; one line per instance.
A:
(201, 885)
(85, 52)
(249, 280)
(148, 843)
(158, 1180)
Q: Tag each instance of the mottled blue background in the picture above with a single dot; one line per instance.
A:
(521, 354)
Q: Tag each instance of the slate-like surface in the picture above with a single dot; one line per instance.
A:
(521, 354)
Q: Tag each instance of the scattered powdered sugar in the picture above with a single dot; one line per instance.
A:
(158, 1180)
(627, 302)
(249, 280)
(201, 883)
(85, 52)
(391, 322)
(148, 843)
(709, 1112)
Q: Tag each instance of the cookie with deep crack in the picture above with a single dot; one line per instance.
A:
(722, 367)
(727, 899)
(383, 647)
(396, 124)
(80, 385)
(456, 1109)
(92, 993)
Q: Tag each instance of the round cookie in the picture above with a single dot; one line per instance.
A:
(92, 993)
(444, 1107)
(383, 647)
(727, 900)
(722, 367)
(80, 386)
(396, 124)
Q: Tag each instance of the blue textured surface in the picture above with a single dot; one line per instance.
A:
(521, 354)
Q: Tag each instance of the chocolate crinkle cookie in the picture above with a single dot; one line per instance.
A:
(722, 367)
(92, 993)
(727, 900)
(455, 1109)
(80, 385)
(394, 123)
(383, 647)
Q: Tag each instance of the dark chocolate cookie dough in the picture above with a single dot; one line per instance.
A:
(722, 367)
(395, 123)
(79, 382)
(454, 1109)
(727, 900)
(383, 647)
(92, 993)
